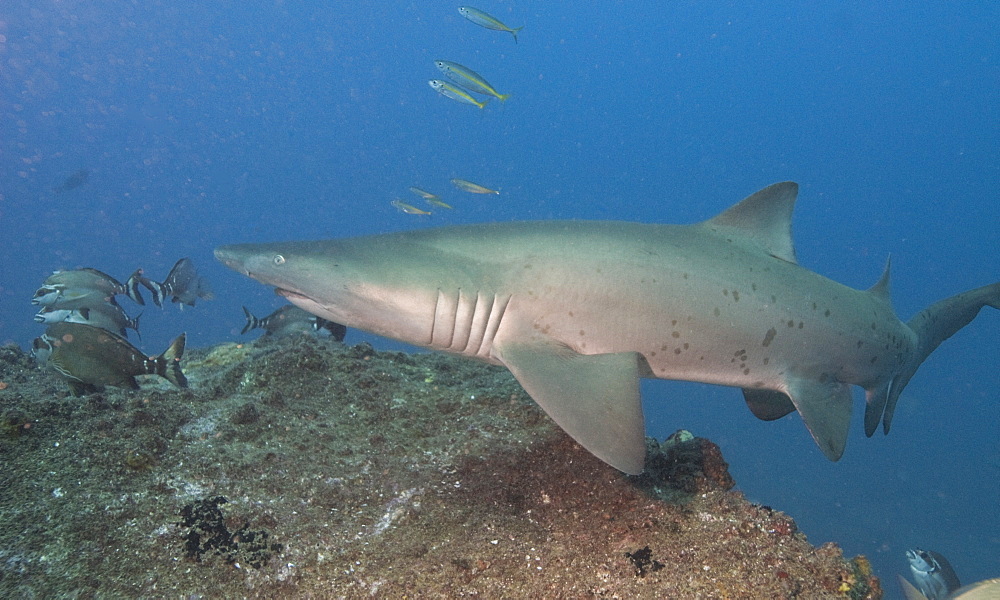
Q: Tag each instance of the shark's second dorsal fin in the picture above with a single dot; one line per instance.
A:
(882, 289)
(764, 217)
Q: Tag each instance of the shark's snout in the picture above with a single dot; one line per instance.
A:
(232, 258)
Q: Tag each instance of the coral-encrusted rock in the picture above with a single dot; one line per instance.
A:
(686, 464)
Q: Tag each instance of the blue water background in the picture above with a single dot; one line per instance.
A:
(204, 123)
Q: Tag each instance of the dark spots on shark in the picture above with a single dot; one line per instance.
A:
(717, 312)
(815, 306)
(860, 343)
(801, 324)
(677, 350)
(736, 296)
(774, 299)
(570, 313)
(769, 337)
(827, 313)
(686, 345)
(753, 286)
(874, 360)
(791, 324)
(725, 292)
(675, 334)
(766, 360)
(685, 276)
(582, 332)
(746, 371)
(674, 323)
(663, 347)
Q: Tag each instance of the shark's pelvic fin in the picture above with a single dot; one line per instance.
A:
(594, 398)
(764, 217)
(825, 406)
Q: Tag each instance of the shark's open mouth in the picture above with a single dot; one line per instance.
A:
(289, 294)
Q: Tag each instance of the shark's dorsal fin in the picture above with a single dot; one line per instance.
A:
(882, 289)
(764, 217)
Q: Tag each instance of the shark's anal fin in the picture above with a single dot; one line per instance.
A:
(594, 398)
(768, 405)
(825, 406)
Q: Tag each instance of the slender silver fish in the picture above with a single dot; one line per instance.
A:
(469, 79)
(449, 91)
(473, 188)
(484, 19)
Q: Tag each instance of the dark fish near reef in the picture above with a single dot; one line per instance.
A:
(289, 320)
(40, 351)
(73, 181)
(103, 314)
(933, 574)
(579, 311)
(183, 285)
(91, 357)
(81, 287)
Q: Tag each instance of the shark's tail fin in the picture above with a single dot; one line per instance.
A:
(934, 325)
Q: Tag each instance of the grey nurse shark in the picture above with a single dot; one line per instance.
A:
(580, 310)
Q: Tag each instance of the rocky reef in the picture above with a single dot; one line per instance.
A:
(300, 467)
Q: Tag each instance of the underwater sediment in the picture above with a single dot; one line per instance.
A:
(300, 467)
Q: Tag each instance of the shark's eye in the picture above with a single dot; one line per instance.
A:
(279, 259)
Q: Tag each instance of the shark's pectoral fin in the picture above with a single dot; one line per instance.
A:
(825, 406)
(768, 405)
(594, 398)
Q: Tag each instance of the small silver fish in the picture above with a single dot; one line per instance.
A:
(474, 188)
(487, 20)
(430, 198)
(408, 208)
(469, 79)
(449, 91)
(89, 358)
